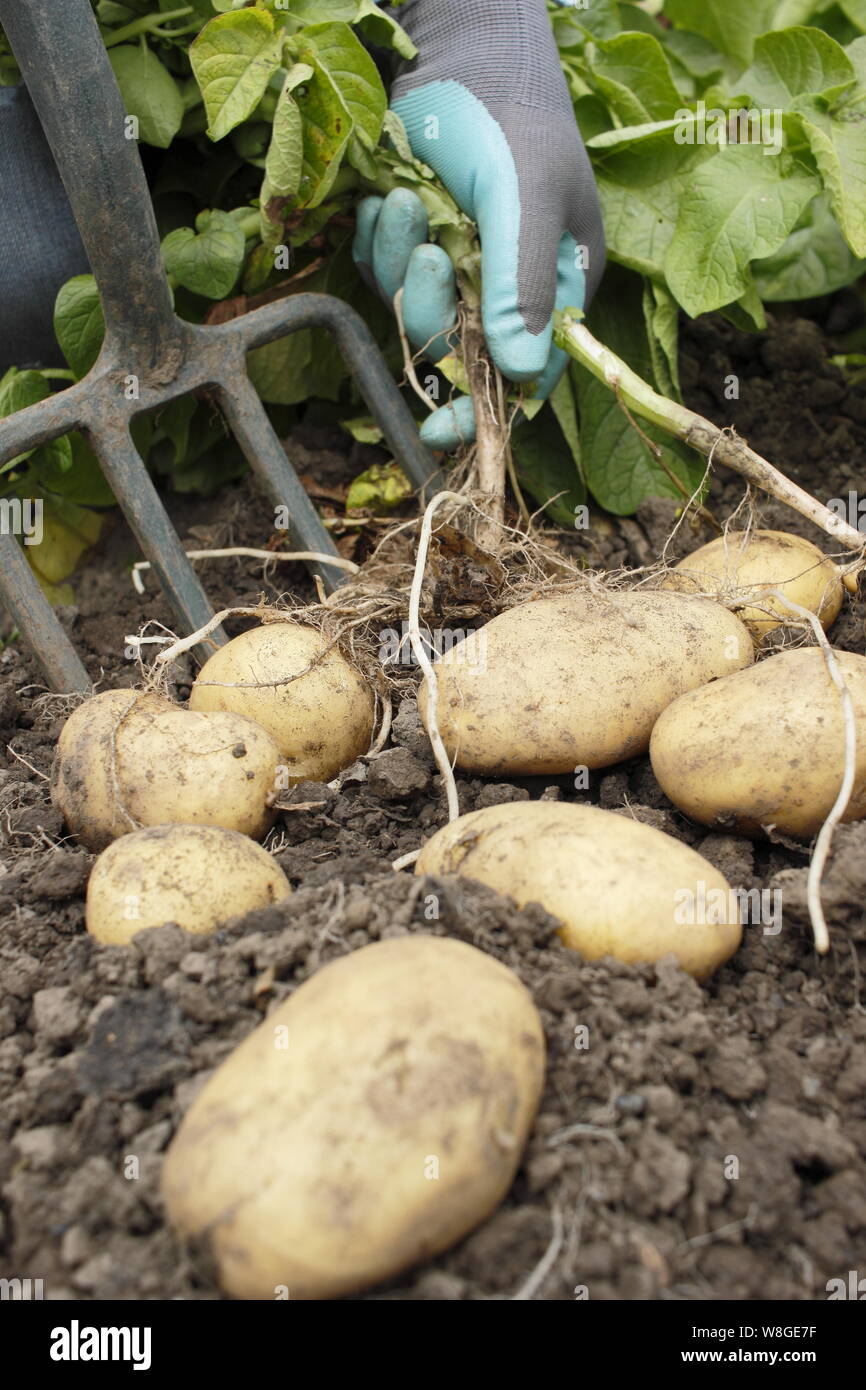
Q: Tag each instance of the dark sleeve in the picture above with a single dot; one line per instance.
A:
(39, 243)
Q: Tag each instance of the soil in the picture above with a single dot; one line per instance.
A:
(697, 1142)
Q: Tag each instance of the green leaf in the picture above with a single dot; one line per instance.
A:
(380, 28)
(855, 10)
(640, 189)
(20, 389)
(82, 483)
(662, 319)
(353, 73)
(701, 59)
(619, 469)
(149, 92)
(234, 58)
(53, 459)
(815, 260)
(279, 370)
(363, 428)
(838, 142)
(739, 206)
(592, 114)
(285, 158)
(174, 421)
(78, 323)
(68, 531)
(379, 489)
(600, 20)
(327, 129)
(564, 407)
(730, 25)
(209, 259)
(632, 72)
(794, 63)
(545, 465)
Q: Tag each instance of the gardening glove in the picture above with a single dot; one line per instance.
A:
(39, 243)
(486, 105)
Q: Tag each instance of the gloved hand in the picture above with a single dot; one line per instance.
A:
(39, 243)
(486, 105)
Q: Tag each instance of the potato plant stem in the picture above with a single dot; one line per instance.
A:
(725, 446)
(490, 441)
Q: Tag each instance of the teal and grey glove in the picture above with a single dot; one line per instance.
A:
(486, 105)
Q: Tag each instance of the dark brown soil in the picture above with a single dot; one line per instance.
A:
(697, 1143)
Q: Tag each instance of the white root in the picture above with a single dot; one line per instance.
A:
(250, 553)
(405, 860)
(408, 359)
(546, 1263)
(825, 835)
(443, 762)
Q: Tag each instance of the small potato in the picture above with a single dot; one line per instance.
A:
(82, 783)
(577, 681)
(748, 567)
(195, 875)
(619, 887)
(376, 1117)
(126, 760)
(199, 769)
(322, 721)
(764, 747)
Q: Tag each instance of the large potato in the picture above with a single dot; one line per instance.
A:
(746, 567)
(764, 747)
(377, 1115)
(579, 681)
(620, 888)
(126, 760)
(322, 720)
(195, 875)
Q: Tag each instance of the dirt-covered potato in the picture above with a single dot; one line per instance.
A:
(620, 888)
(577, 681)
(764, 747)
(195, 875)
(322, 719)
(746, 567)
(125, 761)
(376, 1117)
(82, 778)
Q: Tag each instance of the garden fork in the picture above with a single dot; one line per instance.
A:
(65, 65)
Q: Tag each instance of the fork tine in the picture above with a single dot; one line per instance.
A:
(33, 615)
(139, 501)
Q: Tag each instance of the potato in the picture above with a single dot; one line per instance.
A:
(620, 888)
(376, 1117)
(82, 785)
(577, 681)
(749, 568)
(322, 721)
(765, 746)
(170, 765)
(195, 875)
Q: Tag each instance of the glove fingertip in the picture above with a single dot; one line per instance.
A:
(450, 427)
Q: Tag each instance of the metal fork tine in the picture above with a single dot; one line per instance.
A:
(33, 615)
(254, 432)
(148, 520)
